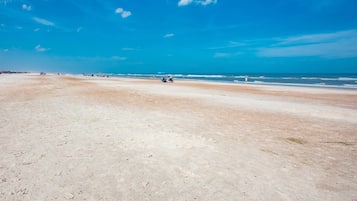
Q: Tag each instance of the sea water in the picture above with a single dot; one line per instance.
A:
(316, 80)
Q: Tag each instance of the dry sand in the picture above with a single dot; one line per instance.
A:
(83, 138)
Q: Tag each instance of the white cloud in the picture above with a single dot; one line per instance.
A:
(38, 48)
(169, 35)
(199, 2)
(125, 14)
(184, 2)
(36, 30)
(26, 7)
(122, 12)
(119, 10)
(207, 2)
(341, 44)
(43, 21)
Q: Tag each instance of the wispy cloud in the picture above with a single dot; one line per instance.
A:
(36, 29)
(136, 63)
(127, 49)
(119, 58)
(100, 59)
(221, 55)
(122, 12)
(231, 44)
(316, 38)
(79, 29)
(169, 35)
(5, 2)
(38, 48)
(342, 44)
(26, 7)
(226, 55)
(318, 5)
(43, 21)
(199, 2)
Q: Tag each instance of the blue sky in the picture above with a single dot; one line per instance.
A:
(185, 36)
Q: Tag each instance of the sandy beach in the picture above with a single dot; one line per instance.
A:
(83, 138)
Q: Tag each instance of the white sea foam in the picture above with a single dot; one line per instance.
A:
(347, 79)
(290, 78)
(206, 76)
(240, 76)
(322, 85)
(311, 78)
(178, 75)
(331, 79)
(258, 77)
(351, 86)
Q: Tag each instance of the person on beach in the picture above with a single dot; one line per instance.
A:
(167, 78)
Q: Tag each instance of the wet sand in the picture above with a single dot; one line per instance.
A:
(84, 138)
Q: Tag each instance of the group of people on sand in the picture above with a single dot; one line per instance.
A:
(167, 78)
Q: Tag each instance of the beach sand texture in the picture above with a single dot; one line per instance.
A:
(84, 138)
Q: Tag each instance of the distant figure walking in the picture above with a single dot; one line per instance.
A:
(246, 78)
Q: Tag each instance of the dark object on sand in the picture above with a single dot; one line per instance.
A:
(167, 79)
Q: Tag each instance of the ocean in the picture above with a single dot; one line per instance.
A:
(316, 80)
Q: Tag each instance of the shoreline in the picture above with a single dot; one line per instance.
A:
(150, 76)
(291, 85)
(352, 87)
